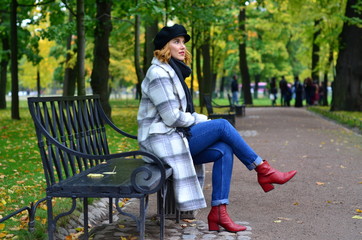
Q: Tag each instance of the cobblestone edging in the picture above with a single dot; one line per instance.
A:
(124, 226)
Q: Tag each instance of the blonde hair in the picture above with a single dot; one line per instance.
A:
(164, 55)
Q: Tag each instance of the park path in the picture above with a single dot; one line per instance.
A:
(321, 202)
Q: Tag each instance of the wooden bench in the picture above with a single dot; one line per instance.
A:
(210, 104)
(71, 134)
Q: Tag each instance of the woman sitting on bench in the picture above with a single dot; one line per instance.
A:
(170, 128)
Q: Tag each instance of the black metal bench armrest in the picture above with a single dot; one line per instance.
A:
(112, 125)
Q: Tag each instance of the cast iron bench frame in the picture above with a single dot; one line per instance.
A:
(210, 104)
(71, 134)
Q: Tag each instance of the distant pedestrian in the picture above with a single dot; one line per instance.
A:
(283, 85)
(273, 90)
(321, 89)
(288, 96)
(309, 91)
(235, 91)
(298, 92)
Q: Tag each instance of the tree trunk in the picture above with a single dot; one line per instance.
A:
(206, 65)
(315, 52)
(3, 70)
(137, 54)
(70, 72)
(245, 76)
(325, 81)
(100, 72)
(347, 89)
(14, 62)
(80, 48)
(38, 86)
(200, 77)
(151, 31)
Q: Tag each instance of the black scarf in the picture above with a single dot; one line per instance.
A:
(183, 71)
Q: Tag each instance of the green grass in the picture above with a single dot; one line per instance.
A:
(349, 119)
(21, 173)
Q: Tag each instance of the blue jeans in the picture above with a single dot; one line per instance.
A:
(235, 97)
(217, 141)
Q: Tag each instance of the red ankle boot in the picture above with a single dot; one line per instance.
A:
(219, 216)
(268, 175)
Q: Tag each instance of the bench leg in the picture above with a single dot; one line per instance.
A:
(110, 210)
(142, 219)
(51, 222)
(161, 202)
(85, 211)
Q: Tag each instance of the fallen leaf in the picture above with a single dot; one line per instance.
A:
(188, 220)
(357, 217)
(320, 183)
(357, 210)
(95, 175)
(15, 228)
(278, 221)
(2, 226)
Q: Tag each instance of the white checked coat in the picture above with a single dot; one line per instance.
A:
(161, 110)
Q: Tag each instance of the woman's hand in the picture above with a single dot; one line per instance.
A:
(199, 118)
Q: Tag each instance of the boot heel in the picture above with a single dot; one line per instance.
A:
(213, 226)
(267, 187)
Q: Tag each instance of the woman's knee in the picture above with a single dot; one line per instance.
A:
(222, 123)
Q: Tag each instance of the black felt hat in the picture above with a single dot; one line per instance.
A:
(168, 33)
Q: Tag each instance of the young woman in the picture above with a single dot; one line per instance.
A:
(169, 127)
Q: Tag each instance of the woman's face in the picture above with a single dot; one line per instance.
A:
(178, 48)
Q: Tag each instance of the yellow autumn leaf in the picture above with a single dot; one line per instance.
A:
(95, 175)
(188, 220)
(121, 226)
(2, 226)
(278, 221)
(357, 217)
(358, 210)
(15, 228)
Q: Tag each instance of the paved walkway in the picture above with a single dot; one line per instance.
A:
(323, 201)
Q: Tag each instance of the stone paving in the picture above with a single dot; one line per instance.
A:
(124, 227)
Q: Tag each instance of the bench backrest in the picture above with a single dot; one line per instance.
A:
(63, 123)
